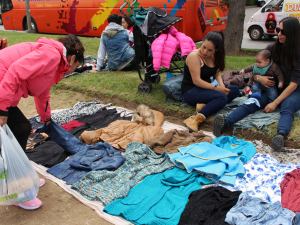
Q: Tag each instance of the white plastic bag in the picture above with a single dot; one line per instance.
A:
(19, 182)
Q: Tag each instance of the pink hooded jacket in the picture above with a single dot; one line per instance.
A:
(167, 44)
(31, 68)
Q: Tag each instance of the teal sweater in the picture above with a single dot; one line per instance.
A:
(158, 199)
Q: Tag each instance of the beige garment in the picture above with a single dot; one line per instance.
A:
(122, 132)
(173, 139)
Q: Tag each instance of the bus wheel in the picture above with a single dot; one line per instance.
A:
(256, 33)
(1, 22)
(33, 25)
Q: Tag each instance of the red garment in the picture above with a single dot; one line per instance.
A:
(290, 191)
(72, 124)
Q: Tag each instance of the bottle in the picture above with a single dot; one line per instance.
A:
(247, 89)
(211, 79)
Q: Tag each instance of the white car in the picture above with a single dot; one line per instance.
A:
(265, 20)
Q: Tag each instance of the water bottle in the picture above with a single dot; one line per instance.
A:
(211, 79)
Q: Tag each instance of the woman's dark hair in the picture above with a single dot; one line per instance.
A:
(129, 21)
(73, 46)
(217, 38)
(114, 18)
(288, 53)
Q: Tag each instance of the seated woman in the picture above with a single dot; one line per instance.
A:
(115, 42)
(128, 24)
(201, 64)
(286, 53)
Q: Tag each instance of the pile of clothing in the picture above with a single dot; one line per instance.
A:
(150, 176)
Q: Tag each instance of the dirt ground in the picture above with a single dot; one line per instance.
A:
(59, 207)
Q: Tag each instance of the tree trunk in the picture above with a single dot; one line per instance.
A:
(235, 27)
(28, 17)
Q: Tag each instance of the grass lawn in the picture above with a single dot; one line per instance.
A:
(124, 85)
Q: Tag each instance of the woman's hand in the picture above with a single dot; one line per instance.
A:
(3, 120)
(222, 89)
(270, 107)
(266, 81)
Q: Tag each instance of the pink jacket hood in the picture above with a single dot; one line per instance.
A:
(31, 68)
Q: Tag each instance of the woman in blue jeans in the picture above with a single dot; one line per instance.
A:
(286, 53)
(202, 64)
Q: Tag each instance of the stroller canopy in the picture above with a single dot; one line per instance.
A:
(153, 20)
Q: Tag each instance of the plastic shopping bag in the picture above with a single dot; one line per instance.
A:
(19, 182)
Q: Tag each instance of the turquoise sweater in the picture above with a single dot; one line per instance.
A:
(158, 199)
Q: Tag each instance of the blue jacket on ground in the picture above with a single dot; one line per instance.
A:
(216, 164)
(158, 199)
(87, 158)
(245, 149)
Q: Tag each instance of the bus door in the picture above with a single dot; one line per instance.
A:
(6, 7)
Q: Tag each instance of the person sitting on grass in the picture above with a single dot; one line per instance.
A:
(115, 43)
(200, 65)
(265, 66)
(286, 53)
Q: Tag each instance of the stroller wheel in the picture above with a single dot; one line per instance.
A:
(145, 87)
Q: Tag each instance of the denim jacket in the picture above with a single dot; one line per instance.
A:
(86, 158)
(115, 42)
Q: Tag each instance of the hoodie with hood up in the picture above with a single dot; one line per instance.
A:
(31, 68)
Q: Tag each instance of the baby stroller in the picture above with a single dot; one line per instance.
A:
(147, 28)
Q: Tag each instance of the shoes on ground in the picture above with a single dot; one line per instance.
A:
(278, 141)
(219, 125)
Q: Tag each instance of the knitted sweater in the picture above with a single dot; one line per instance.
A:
(107, 186)
(209, 206)
(159, 199)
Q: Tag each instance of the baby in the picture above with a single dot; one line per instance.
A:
(264, 66)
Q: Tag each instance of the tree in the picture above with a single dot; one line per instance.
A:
(28, 16)
(235, 26)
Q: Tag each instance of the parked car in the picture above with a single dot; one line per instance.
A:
(265, 20)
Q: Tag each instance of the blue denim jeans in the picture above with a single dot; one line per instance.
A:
(271, 92)
(253, 210)
(289, 106)
(214, 100)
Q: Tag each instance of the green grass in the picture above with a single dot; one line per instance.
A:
(124, 85)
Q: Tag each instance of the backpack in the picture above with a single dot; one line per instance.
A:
(172, 89)
(234, 77)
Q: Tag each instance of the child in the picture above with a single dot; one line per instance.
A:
(264, 66)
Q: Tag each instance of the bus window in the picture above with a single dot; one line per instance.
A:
(6, 5)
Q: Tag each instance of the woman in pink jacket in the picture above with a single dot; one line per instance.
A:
(31, 68)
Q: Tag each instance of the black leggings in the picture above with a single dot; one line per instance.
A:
(19, 125)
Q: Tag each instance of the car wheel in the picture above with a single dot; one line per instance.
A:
(262, 3)
(1, 22)
(256, 33)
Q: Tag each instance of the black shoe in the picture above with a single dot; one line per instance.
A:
(278, 142)
(219, 125)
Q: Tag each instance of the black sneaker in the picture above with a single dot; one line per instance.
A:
(278, 142)
(219, 125)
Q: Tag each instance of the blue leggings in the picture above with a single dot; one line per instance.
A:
(214, 100)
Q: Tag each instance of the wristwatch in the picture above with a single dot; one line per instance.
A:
(215, 87)
(257, 78)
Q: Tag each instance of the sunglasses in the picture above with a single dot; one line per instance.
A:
(278, 30)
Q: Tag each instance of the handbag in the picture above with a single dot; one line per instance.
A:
(19, 182)
(172, 89)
